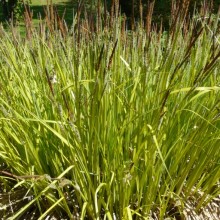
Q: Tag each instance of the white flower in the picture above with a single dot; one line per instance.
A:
(53, 79)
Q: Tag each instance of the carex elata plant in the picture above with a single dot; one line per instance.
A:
(107, 119)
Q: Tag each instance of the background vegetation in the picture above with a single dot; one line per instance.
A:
(161, 7)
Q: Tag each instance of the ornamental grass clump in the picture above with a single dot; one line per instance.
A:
(101, 122)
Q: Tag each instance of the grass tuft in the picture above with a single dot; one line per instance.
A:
(101, 122)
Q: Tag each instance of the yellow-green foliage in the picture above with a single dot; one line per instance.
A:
(109, 123)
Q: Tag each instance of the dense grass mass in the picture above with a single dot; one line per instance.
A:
(100, 122)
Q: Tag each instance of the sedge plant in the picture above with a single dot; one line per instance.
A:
(101, 122)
